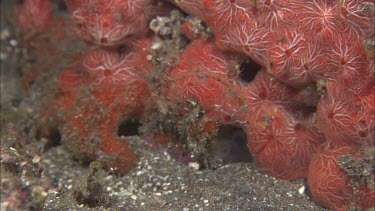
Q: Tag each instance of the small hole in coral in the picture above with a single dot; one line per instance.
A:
(103, 40)
(306, 67)
(330, 115)
(107, 72)
(230, 145)
(122, 50)
(51, 136)
(362, 123)
(19, 1)
(298, 127)
(302, 112)
(288, 52)
(362, 134)
(61, 6)
(248, 70)
(129, 128)
(84, 161)
(263, 95)
(16, 102)
(309, 109)
(227, 118)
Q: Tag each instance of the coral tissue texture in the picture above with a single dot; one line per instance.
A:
(296, 76)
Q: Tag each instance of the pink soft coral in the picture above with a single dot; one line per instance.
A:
(112, 88)
(113, 22)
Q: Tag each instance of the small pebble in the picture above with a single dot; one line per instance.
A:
(3, 56)
(13, 42)
(301, 190)
(194, 165)
(5, 34)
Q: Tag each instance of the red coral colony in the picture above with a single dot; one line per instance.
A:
(296, 76)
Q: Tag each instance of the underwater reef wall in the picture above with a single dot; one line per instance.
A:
(296, 77)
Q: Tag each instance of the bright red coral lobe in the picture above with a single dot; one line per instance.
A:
(281, 144)
(95, 103)
(329, 183)
(204, 78)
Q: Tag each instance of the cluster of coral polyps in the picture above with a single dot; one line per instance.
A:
(307, 112)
